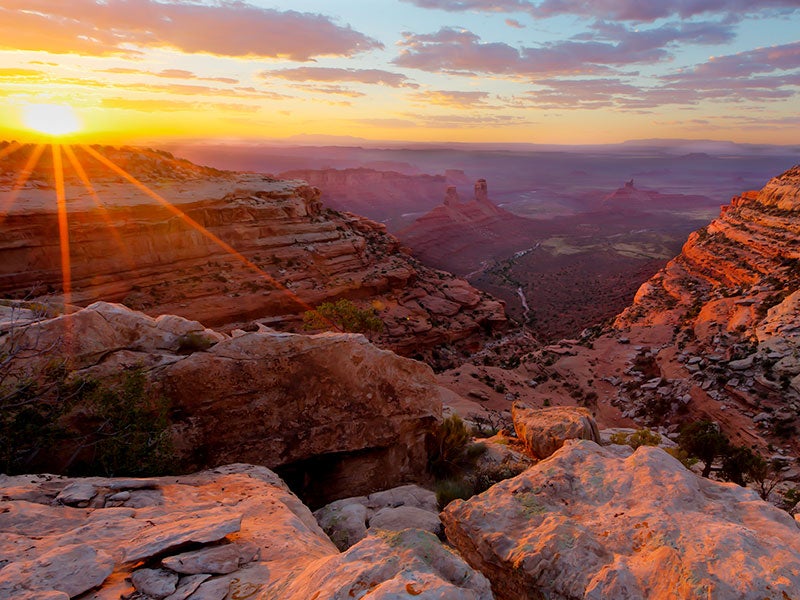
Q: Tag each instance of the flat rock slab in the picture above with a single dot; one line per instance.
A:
(208, 526)
(218, 560)
(72, 570)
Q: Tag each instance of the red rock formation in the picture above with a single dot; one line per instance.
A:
(333, 413)
(293, 254)
(714, 335)
(462, 234)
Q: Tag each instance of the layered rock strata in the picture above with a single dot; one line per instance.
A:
(246, 247)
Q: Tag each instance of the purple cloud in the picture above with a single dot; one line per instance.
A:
(611, 45)
(226, 28)
(620, 10)
(330, 74)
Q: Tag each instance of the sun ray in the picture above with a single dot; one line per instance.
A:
(81, 172)
(197, 226)
(63, 225)
(24, 175)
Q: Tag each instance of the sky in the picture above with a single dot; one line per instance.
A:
(532, 71)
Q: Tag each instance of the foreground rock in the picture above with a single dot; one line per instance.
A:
(606, 522)
(234, 532)
(545, 430)
(334, 413)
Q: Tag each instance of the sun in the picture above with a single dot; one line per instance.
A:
(52, 119)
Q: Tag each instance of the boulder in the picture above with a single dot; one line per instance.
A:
(347, 521)
(545, 430)
(335, 414)
(607, 522)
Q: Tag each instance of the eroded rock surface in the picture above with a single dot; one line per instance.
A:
(335, 413)
(251, 538)
(606, 522)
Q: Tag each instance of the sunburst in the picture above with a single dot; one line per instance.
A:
(63, 216)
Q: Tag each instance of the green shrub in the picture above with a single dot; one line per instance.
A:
(641, 437)
(193, 342)
(343, 315)
(448, 490)
(705, 441)
(451, 450)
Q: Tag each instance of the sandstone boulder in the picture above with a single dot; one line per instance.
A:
(606, 522)
(545, 430)
(348, 521)
(390, 566)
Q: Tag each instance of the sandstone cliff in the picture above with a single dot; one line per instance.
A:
(290, 252)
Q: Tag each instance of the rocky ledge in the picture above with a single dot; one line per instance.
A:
(234, 532)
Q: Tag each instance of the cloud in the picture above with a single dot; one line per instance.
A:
(619, 10)
(388, 122)
(515, 24)
(12, 73)
(157, 106)
(452, 99)
(330, 89)
(168, 74)
(370, 76)
(461, 51)
(743, 64)
(226, 28)
(457, 51)
(578, 93)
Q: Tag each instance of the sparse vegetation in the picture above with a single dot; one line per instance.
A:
(640, 437)
(343, 315)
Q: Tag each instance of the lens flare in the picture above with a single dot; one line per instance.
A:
(52, 119)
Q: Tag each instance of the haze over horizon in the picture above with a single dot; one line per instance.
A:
(501, 71)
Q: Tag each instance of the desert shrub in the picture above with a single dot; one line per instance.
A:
(193, 342)
(448, 490)
(487, 477)
(683, 456)
(705, 441)
(343, 315)
(640, 437)
(131, 433)
(451, 450)
(737, 464)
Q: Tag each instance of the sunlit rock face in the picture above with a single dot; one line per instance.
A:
(606, 522)
(234, 532)
(335, 414)
(241, 247)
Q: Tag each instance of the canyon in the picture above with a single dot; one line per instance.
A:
(229, 249)
(251, 424)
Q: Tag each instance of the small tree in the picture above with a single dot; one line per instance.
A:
(704, 440)
(343, 315)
